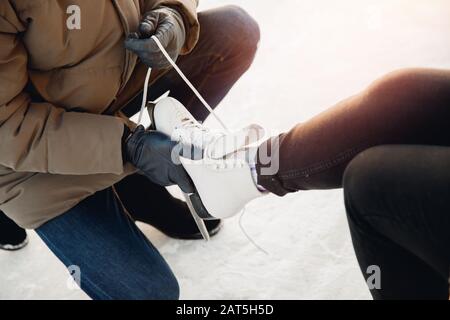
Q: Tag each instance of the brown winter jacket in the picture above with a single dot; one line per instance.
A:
(61, 90)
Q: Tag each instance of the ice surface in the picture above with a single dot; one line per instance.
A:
(312, 54)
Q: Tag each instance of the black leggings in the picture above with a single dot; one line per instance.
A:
(389, 148)
(398, 208)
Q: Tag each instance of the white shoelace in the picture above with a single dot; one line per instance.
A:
(185, 79)
(190, 122)
(193, 133)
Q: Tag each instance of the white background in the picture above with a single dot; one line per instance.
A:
(312, 54)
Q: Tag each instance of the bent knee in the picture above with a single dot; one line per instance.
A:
(245, 28)
(411, 82)
(234, 31)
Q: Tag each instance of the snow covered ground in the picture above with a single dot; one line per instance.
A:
(312, 54)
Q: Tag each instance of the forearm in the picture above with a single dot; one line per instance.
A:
(39, 137)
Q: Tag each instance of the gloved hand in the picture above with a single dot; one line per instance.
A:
(151, 153)
(168, 26)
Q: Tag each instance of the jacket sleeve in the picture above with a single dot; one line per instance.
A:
(188, 9)
(40, 137)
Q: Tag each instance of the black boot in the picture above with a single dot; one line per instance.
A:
(12, 237)
(152, 204)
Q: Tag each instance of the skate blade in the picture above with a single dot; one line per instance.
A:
(198, 221)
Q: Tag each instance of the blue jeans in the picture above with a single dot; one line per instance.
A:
(115, 259)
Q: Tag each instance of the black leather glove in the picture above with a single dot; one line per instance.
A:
(168, 26)
(151, 152)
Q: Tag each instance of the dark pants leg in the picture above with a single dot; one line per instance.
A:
(404, 107)
(228, 41)
(397, 197)
(397, 200)
(115, 259)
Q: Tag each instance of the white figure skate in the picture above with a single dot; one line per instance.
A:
(221, 173)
